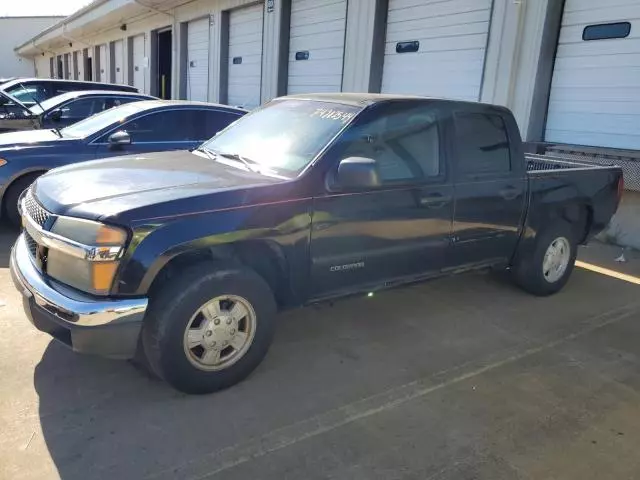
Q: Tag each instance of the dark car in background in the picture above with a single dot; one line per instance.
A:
(139, 127)
(63, 110)
(29, 91)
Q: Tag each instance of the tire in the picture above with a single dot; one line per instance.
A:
(529, 272)
(14, 191)
(178, 305)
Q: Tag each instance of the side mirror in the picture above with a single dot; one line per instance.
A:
(119, 138)
(357, 173)
(56, 115)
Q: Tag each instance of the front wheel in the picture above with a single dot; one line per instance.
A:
(207, 330)
(548, 268)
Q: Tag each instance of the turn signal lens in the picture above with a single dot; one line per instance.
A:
(2, 162)
(102, 276)
(110, 236)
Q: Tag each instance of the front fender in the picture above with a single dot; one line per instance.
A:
(155, 242)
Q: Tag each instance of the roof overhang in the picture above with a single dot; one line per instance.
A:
(97, 17)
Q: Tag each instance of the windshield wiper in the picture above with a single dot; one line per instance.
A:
(57, 132)
(210, 155)
(247, 162)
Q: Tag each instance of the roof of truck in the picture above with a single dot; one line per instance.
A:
(364, 99)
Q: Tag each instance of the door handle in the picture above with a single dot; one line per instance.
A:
(435, 200)
(509, 193)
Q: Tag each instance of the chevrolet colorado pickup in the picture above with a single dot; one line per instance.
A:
(181, 259)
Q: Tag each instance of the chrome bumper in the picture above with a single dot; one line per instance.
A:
(107, 327)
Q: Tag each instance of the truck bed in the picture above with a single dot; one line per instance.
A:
(545, 163)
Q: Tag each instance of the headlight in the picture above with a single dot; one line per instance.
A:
(90, 260)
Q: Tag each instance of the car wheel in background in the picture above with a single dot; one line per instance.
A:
(10, 201)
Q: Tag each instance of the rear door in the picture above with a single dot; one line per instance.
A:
(399, 230)
(490, 187)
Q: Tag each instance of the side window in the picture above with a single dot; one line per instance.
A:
(82, 108)
(404, 142)
(115, 102)
(482, 144)
(213, 122)
(166, 126)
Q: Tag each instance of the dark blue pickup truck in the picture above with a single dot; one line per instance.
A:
(182, 259)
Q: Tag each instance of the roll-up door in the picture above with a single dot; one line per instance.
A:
(138, 62)
(118, 52)
(198, 59)
(103, 68)
(436, 48)
(78, 59)
(595, 91)
(245, 56)
(316, 45)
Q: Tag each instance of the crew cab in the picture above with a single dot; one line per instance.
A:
(182, 259)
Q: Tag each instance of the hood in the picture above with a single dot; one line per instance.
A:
(106, 188)
(29, 137)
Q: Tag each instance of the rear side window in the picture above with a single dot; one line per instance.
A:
(168, 126)
(211, 122)
(482, 144)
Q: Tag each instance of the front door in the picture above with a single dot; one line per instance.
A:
(362, 239)
(490, 190)
(155, 132)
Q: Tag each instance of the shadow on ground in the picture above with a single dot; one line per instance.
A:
(104, 419)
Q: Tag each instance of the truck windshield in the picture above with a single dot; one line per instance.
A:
(284, 136)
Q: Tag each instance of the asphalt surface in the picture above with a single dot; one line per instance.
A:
(459, 378)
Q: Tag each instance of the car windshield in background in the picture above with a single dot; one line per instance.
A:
(285, 136)
(50, 103)
(100, 121)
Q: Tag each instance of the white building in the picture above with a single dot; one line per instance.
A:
(569, 69)
(15, 31)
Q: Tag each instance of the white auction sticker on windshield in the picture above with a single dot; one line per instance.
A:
(332, 114)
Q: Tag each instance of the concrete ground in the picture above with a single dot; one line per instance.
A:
(460, 378)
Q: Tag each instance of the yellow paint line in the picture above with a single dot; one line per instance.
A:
(609, 273)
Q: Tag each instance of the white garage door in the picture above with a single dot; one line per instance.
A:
(245, 56)
(138, 62)
(79, 65)
(595, 92)
(316, 45)
(103, 68)
(119, 61)
(198, 56)
(436, 48)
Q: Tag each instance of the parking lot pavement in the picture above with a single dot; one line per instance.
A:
(460, 378)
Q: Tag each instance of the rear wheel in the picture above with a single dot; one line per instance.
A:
(207, 330)
(548, 268)
(13, 195)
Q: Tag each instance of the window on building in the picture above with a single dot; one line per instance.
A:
(605, 31)
(482, 144)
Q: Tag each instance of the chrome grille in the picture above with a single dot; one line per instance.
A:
(31, 244)
(38, 214)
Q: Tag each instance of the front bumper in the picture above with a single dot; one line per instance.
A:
(105, 327)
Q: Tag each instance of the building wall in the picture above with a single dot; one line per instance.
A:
(13, 32)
